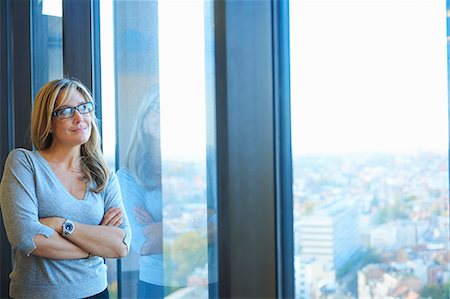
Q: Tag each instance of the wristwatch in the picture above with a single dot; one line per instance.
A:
(68, 228)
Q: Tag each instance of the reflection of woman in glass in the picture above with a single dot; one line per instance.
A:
(140, 182)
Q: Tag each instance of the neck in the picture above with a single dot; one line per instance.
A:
(68, 157)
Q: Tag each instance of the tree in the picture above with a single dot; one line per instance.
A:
(435, 292)
(186, 253)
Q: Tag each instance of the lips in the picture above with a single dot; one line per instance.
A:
(76, 130)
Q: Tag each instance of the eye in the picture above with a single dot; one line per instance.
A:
(65, 113)
(83, 108)
(86, 107)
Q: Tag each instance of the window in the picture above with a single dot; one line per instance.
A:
(156, 90)
(370, 148)
(47, 42)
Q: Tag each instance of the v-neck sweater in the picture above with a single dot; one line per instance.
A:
(30, 190)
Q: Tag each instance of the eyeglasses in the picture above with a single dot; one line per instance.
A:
(69, 112)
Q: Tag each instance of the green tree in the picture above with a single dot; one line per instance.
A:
(186, 253)
(433, 291)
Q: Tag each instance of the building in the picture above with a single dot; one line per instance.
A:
(378, 281)
(313, 278)
(330, 234)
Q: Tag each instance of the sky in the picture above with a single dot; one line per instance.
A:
(181, 43)
(368, 76)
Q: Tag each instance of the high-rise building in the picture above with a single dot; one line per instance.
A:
(330, 234)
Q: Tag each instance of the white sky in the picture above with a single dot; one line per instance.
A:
(181, 38)
(368, 76)
(365, 76)
(108, 82)
(52, 8)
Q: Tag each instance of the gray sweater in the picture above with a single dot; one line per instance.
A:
(30, 190)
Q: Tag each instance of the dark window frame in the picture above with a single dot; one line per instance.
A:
(15, 18)
(255, 232)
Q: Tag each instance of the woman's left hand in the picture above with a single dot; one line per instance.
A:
(53, 222)
(112, 217)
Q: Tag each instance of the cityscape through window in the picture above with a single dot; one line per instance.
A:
(370, 149)
(157, 85)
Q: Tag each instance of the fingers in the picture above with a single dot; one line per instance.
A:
(112, 217)
(142, 216)
(108, 215)
(116, 220)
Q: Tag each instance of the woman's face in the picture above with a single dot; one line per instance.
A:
(152, 125)
(74, 130)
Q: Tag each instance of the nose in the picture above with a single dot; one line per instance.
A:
(77, 117)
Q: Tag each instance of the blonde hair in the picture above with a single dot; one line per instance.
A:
(143, 157)
(93, 165)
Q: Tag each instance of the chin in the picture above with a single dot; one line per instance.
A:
(83, 140)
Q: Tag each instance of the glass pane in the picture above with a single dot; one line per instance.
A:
(157, 87)
(108, 119)
(47, 42)
(370, 149)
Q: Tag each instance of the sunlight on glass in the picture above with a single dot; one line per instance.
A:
(154, 83)
(52, 8)
(183, 146)
(108, 83)
(182, 79)
(108, 103)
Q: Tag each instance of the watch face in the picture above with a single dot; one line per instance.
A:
(68, 228)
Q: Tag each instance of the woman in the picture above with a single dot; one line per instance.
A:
(140, 181)
(141, 184)
(61, 207)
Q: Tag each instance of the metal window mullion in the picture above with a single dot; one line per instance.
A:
(21, 72)
(15, 99)
(283, 151)
(245, 149)
(5, 128)
(77, 40)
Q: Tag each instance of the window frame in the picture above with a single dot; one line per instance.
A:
(255, 232)
(15, 18)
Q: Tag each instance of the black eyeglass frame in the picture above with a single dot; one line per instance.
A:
(90, 108)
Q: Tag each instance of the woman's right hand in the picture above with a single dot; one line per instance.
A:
(143, 216)
(112, 217)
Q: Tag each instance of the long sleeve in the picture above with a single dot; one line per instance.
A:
(132, 198)
(113, 198)
(19, 204)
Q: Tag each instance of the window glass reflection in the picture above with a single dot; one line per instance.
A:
(140, 180)
(161, 77)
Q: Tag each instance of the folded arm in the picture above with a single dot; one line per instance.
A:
(154, 235)
(56, 247)
(105, 240)
(19, 209)
(151, 230)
